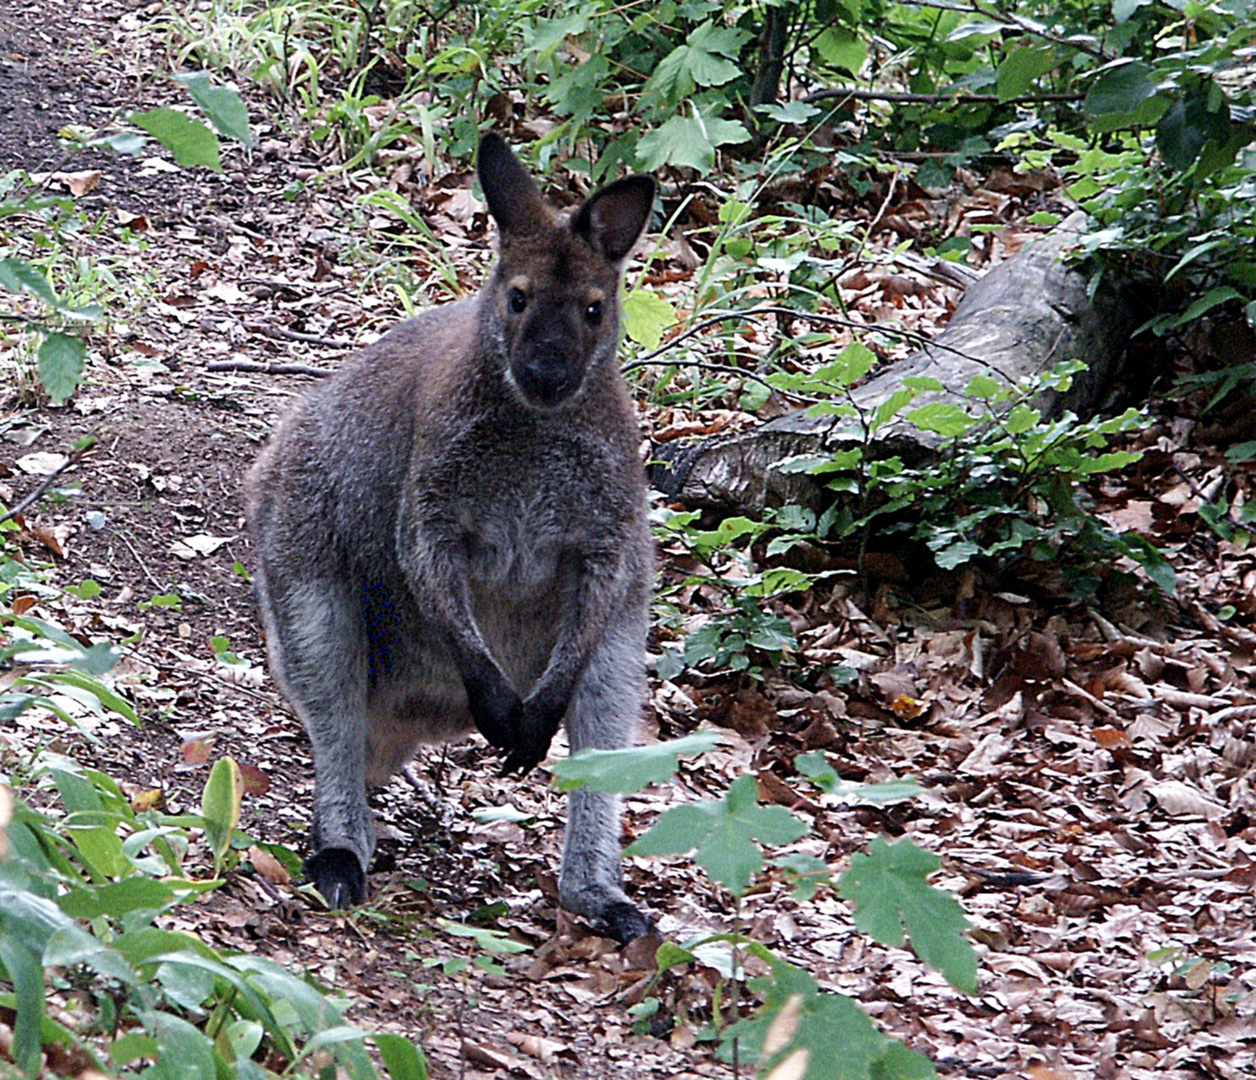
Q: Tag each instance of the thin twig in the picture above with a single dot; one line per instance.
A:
(282, 333)
(905, 98)
(39, 491)
(267, 368)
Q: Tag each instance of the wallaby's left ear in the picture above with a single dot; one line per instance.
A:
(612, 219)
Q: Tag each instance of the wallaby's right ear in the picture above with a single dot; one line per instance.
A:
(513, 199)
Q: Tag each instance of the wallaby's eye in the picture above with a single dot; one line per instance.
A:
(518, 300)
(594, 312)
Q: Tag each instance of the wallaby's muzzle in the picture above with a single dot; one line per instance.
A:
(547, 372)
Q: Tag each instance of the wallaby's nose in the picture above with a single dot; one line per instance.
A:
(546, 374)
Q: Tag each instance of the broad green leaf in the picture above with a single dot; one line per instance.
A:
(117, 898)
(61, 361)
(191, 142)
(220, 805)
(983, 387)
(402, 1059)
(726, 833)
(626, 771)
(1020, 67)
(688, 142)
(890, 892)
(817, 1035)
(1120, 88)
(670, 955)
(26, 975)
(941, 418)
(1187, 126)
(18, 276)
(186, 1053)
(792, 112)
(224, 107)
(645, 316)
(842, 48)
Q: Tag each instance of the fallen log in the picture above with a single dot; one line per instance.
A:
(1020, 319)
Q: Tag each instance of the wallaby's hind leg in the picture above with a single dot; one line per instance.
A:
(604, 715)
(319, 655)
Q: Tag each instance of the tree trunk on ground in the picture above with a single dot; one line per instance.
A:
(1022, 318)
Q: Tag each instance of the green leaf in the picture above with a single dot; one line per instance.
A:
(822, 1036)
(191, 142)
(1187, 126)
(688, 142)
(186, 1053)
(1120, 88)
(402, 1059)
(724, 832)
(626, 771)
(941, 418)
(1020, 67)
(646, 315)
(224, 107)
(18, 276)
(488, 939)
(220, 806)
(61, 361)
(25, 973)
(1206, 303)
(842, 48)
(117, 898)
(889, 890)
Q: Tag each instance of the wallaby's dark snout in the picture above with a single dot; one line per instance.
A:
(451, 534)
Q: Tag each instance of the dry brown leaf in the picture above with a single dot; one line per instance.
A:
(1179, 799)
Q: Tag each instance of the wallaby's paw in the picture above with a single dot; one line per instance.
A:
(624, 922)
(538, 725)
(339, 876)
(495, 707)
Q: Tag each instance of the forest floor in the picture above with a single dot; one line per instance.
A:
(1088, 765)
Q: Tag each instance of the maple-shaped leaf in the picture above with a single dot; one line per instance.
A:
(626, 771)
(707, 58)
(807, 1033)
(726, 834)
(890, 892)
(688, 141)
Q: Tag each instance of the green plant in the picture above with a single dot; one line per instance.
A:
(820, 1034)
(57, 294)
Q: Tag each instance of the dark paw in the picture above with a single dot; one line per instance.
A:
(624, 922)
(495, 707)
(338, 875)
(537, 727)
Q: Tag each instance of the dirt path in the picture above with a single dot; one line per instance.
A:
(1090, 785)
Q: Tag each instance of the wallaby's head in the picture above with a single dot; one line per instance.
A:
(553, 300)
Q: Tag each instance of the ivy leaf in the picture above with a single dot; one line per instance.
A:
(191, 142)
(890, 894)
(688, 142)
(796, 1030)
(726, 833)
(626, 771)
(224, 107)
(61, 361)
(646, 315)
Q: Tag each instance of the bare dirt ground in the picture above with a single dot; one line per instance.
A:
(1089, 766)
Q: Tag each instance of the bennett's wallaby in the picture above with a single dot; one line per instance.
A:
(451, 531)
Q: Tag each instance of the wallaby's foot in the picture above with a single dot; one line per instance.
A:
(339, 876)
(624, 922)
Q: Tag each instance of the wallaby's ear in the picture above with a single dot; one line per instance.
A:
(613, 219)
(513, 199)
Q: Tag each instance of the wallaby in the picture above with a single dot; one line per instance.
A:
(451, 532)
